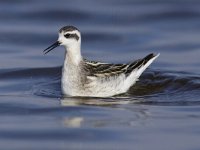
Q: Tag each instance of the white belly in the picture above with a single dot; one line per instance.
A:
(94, 87)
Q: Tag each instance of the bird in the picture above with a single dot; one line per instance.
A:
(85, 78)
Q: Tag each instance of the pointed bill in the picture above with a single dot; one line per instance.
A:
(54, 45)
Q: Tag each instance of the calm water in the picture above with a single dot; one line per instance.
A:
(161, 112)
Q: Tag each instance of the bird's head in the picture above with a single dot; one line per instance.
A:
(69, 37)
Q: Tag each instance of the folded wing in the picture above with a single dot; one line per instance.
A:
(98, 69)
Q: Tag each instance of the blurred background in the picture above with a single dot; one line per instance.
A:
(160, 112)
(125, 30)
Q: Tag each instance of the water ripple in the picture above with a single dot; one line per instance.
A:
(154, 87)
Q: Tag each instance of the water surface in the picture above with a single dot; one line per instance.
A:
(161, 111)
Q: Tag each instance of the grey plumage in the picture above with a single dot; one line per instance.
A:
(68, 28)
(98, 69)
(81, 77)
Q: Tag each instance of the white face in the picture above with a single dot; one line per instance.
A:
(69, 38)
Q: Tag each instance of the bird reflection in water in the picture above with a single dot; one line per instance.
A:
(139, 115)
(75, 101)
(73, 122)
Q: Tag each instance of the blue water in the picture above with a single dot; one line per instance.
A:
(162, 111)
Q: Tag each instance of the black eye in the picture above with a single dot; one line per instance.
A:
(67, 35)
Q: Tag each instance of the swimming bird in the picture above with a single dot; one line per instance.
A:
(81, 77)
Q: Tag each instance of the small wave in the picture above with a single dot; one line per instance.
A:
(158, 82)
(35, 81)
(154, 87)
(167, 88)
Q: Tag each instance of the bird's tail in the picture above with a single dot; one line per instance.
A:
(136, 68)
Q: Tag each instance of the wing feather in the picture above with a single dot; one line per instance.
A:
(98, 69)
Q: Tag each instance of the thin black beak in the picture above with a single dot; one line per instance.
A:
(54, 45)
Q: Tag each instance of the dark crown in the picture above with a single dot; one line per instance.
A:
(68, 28)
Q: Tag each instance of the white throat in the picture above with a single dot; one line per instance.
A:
(73, 53)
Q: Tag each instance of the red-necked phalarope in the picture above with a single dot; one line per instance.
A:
(81, 77)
